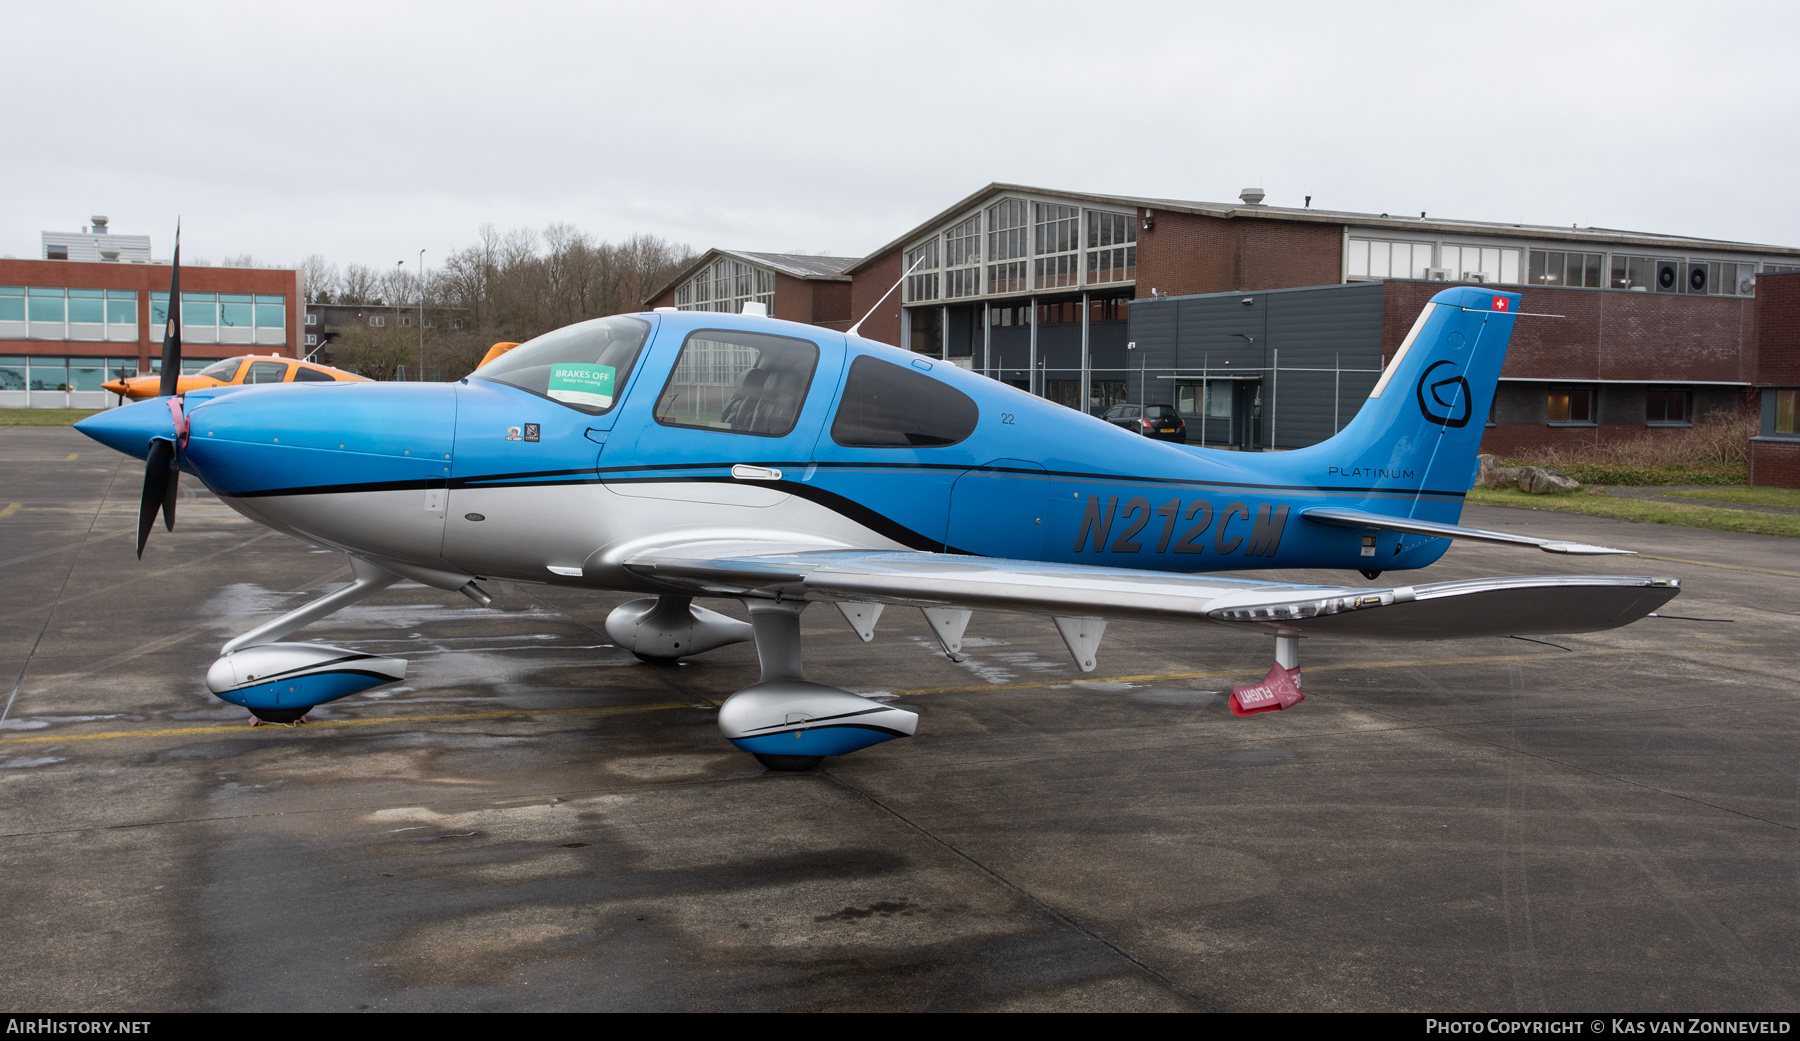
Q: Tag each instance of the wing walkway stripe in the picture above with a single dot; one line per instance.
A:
(663, 706)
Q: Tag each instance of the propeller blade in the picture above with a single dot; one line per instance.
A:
(159, 482)
(169, 492)
(171, 353)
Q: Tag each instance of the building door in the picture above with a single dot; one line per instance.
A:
(1246, 414)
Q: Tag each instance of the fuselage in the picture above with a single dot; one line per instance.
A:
(491, 478)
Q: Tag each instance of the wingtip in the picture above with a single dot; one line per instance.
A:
(1582, 549)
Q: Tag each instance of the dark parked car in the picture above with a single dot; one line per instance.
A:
(1158, 421)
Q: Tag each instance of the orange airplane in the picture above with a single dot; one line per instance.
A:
(235, 371)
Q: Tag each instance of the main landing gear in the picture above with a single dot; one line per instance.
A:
(790, 723)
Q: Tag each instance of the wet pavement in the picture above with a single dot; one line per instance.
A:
(535, 820)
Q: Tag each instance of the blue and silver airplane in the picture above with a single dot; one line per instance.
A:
(694, 454)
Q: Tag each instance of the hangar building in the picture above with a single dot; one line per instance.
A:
(1093, 300)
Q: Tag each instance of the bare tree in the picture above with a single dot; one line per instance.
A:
(361, 285)
(321, 279)
(506, 286)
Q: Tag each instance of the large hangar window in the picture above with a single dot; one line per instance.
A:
(1007, 246)
(744, 383)
(887, 406)
(1056, 234)
(726, 286)
(922, 262)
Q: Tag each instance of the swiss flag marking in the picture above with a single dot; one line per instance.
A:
(1499, 303)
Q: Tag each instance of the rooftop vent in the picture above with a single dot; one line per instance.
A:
(108, 253)
(1251, 196)
(99, 220)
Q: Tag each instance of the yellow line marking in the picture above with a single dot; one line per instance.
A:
(72, 457)
(1709, 563)
(11, 508)
(660, 706)
(332, 724)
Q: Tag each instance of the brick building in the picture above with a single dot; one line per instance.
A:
(1775, 452)
(69, 325)
(795, 286)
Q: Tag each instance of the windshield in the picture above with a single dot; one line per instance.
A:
(1159, 412)
(222, 370)
(584, 366)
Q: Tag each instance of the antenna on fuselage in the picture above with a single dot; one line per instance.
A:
(852, 330)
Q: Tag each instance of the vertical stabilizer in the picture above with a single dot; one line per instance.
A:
(1428, 411)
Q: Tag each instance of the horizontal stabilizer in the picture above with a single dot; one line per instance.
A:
(1338, 518)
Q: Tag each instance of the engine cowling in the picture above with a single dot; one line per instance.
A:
(298, 675)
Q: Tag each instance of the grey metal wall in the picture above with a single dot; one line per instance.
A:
(1306, 345)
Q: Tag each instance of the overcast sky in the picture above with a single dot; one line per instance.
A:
(368, 131)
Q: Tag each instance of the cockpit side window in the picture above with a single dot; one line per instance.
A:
(741, 382)
(583, 366)
(887, 406)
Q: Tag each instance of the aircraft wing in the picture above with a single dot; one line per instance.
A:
(1339, 518)
(938, 581)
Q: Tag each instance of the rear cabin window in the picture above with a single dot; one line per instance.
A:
(266, 372)
(583, 366)
(306, 375)
(738, 382)
(887, 406)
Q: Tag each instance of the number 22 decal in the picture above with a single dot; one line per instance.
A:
(1006, 419)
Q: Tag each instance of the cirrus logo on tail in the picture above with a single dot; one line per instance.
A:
(1444, 403)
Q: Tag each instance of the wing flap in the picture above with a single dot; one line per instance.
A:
(1334, 517)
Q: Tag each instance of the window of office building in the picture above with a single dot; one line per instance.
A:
(40, 313)
(1480, 264)
(121, 308)
(1572, 407)
(1558, 268)
(1379, 258)
(1664, 407)
(1214, 398)
(1670, 275)
(1111, 247)
(1056, 232)
(1785, 401)
(922, 262)
(1008, 246)
(45, 305)
(962, 259)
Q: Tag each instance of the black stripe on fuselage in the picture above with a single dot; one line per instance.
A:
(600, 474)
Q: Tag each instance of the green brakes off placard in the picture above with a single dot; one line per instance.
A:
(590, 385)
